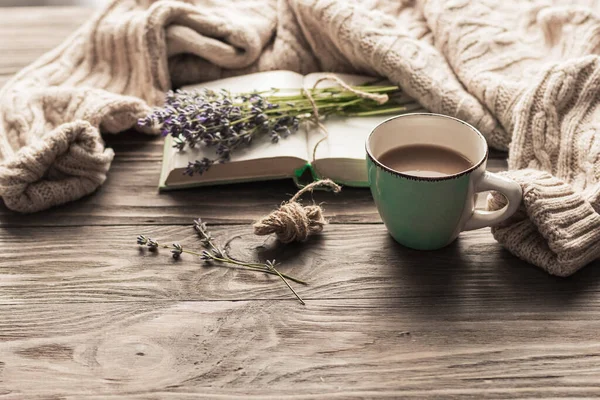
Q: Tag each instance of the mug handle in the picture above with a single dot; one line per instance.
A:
(510, 189)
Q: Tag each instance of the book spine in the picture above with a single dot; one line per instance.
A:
(305, 175)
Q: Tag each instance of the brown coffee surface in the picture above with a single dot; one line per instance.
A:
(425, 160)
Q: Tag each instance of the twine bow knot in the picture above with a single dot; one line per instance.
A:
(294, 222)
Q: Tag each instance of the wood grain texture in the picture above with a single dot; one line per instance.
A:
(28, 32)
(103, 264)
(130, 196)
(355, 349)
(85, 314)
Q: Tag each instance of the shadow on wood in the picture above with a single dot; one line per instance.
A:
(470, 273)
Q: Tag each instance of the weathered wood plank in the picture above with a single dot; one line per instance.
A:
(365, 348)
(103, 264)
(130, 196)
(28, 32)
(84, 314)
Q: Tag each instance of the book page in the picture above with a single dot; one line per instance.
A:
(293, 146)
(341, 156)
(345, 136)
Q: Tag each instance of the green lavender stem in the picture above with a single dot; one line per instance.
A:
(381, 111)
(242, 265)
(225, 121)
(335, 93)
(307, 108)
(259, 267)
(219, 255)
(271, 266)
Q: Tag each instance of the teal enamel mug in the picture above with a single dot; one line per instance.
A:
(428, 213)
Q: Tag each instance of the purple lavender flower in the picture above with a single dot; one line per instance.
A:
(142, 240)
(152, 244)
(177, 250)
(199, 166)
(225, 122)
(216, 119)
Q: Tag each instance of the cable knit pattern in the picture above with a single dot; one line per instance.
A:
(527, 74)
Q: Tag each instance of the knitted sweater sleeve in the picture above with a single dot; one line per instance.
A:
(536, 67)
(102, 79)
(51, 113)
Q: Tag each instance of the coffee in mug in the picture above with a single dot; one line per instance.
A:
(425, 160)
(424, 173)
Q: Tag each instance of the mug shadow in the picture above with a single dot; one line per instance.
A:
(429, 277)
(467, 277)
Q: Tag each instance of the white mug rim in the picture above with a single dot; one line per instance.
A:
(427, 178)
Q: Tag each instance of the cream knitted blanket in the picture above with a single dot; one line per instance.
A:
(527, 74)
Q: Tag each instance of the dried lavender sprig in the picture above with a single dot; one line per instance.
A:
(214, 256)
(271, 266)
(218, 254)
(212, 119)
(177, 250)
(226, 122)
(207, 240)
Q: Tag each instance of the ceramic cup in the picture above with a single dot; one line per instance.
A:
(428, 213)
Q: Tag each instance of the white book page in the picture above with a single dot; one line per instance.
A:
(345, 136)
(293, 146)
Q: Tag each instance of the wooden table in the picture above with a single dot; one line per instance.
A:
(85, 314)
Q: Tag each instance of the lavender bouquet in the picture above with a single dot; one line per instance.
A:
(226, 121)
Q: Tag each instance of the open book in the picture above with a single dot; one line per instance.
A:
(340, 157)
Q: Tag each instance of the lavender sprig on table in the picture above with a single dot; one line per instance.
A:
(215, 255)
(225, 121)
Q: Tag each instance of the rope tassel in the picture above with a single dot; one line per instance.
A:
(293, 222)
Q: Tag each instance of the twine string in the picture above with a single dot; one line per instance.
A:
(377, 97)
(292, 221)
